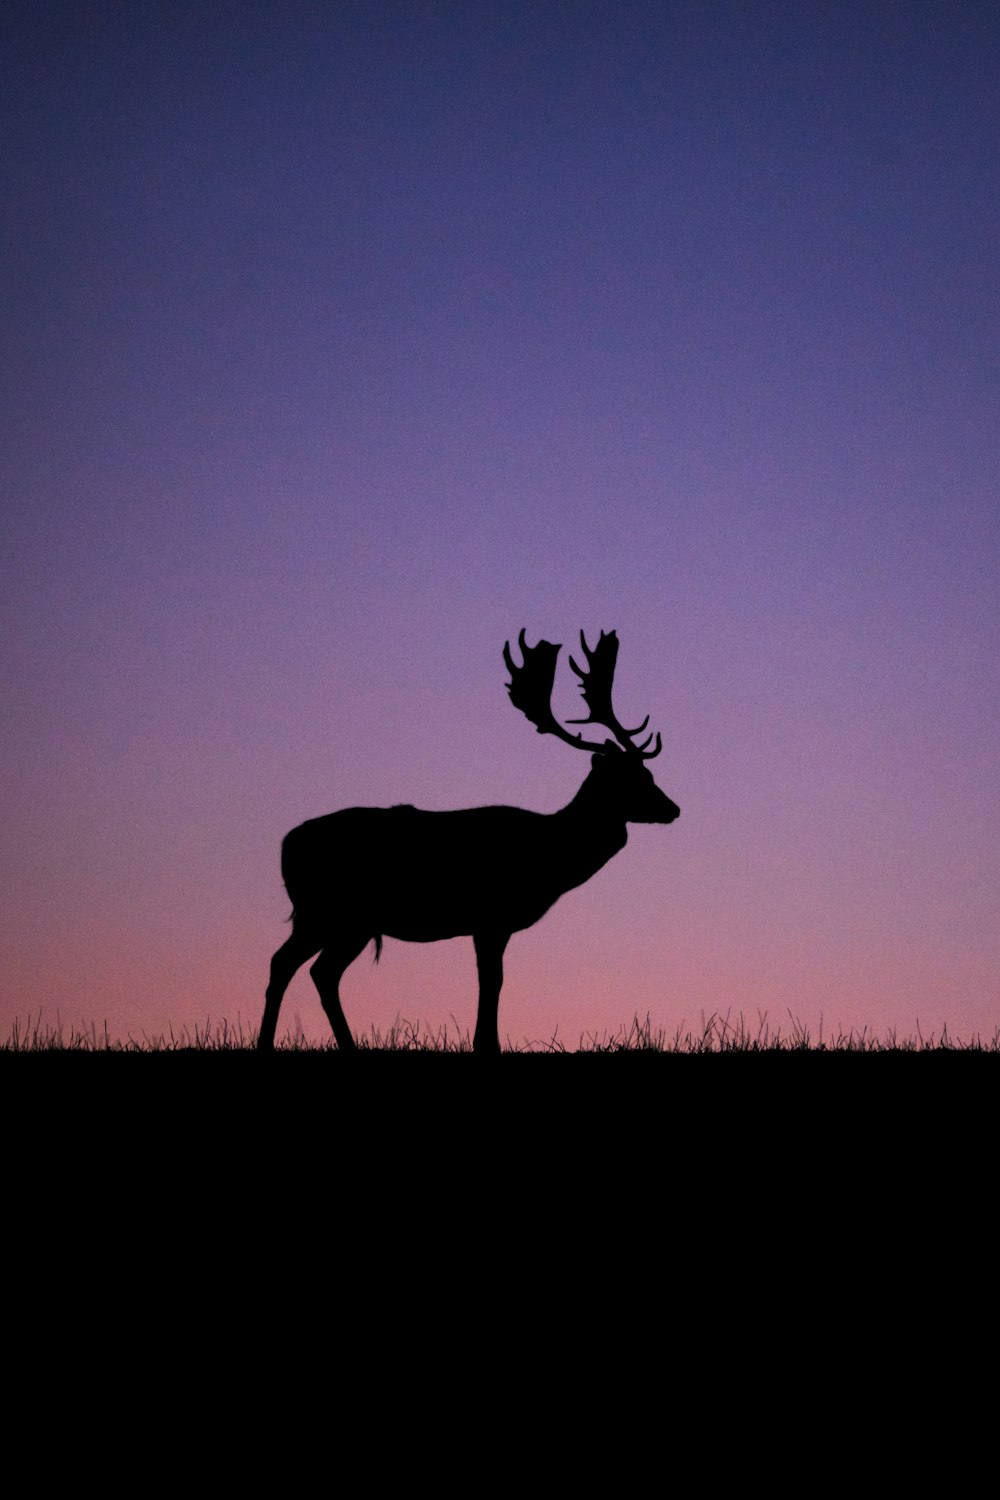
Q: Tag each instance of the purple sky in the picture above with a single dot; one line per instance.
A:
(341, 341)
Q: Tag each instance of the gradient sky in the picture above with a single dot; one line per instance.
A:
(342, 340)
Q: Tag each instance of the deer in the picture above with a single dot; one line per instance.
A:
(366, 873)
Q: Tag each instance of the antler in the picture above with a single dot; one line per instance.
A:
(531, 685)
(596, 684)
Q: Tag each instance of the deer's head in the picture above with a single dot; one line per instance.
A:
(618, 768)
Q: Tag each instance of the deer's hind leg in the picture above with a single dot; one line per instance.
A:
(284, 965)
(327, 972)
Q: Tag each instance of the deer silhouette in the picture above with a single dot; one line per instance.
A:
(487, 872)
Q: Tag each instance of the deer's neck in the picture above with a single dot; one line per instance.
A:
(590, 832)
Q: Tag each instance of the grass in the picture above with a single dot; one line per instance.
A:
(716, 1034)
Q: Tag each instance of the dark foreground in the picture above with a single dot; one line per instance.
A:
(667, 1109)
(621, 1180)
(769, 1105)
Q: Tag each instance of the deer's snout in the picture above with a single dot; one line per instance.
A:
(668, 811)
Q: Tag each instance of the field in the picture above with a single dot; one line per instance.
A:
(729, 1082)
(718, 1136)
(716, 1035)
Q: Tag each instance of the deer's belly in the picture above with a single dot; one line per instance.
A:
(433, 916)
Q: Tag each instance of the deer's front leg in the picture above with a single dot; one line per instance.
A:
(489, 961)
